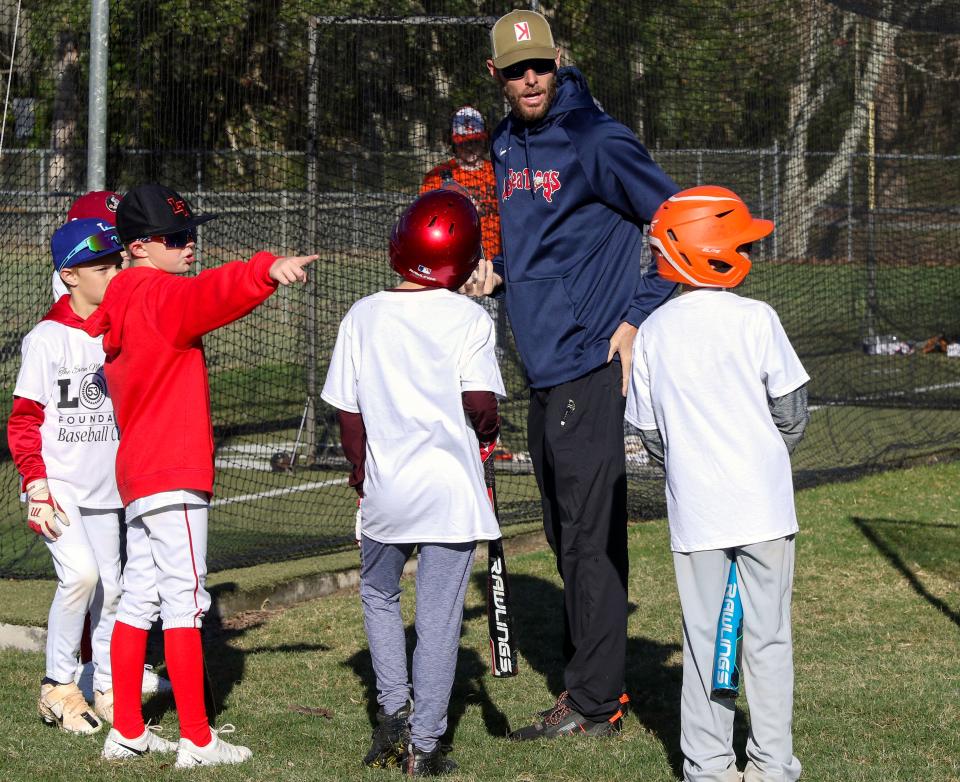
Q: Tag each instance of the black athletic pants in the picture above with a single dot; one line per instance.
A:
(575, 433)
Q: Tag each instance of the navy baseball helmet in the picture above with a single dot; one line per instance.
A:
(80, 241)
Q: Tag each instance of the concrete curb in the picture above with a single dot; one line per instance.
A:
(22, 638)
(227, 601)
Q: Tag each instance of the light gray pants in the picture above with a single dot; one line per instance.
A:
(765, 574)
(443, 572)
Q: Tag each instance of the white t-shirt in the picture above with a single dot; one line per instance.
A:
(62, 370)
(704, 365)
(401, 360)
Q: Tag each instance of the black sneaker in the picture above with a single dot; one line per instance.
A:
(390, 739)
(418, 763)
(562, 699)
(563, 720)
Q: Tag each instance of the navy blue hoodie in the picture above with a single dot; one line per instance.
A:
(574, 192)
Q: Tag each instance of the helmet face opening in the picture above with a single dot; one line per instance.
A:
(436, 241)
(701, 237)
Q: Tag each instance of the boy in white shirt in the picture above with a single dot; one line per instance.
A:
(411, 366)
(63, 438)
(719, 396)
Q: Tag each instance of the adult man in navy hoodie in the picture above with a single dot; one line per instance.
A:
(575, 188)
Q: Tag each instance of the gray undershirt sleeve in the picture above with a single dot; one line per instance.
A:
(790, 415)
(654, 445)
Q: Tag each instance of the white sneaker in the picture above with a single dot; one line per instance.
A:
(154, 683)
(119, 747)
(63, 705)
(103, 705)
(216, 753)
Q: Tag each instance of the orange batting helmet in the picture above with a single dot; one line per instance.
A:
(695, 236)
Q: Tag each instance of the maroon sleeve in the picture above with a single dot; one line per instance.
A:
(481, 409)
(23, 437)
(353, 438)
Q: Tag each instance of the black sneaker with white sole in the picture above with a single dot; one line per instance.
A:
(389, 739)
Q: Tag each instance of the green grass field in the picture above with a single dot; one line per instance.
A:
(876, 619)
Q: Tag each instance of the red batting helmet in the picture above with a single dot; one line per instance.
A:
(436, 241)
(695, 236)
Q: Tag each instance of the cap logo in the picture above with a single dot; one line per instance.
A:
(522, 31)
(112, 202)
(178, 206)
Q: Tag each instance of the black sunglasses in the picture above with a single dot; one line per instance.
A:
(519, 69)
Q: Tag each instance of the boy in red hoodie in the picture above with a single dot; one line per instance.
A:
(152, 322)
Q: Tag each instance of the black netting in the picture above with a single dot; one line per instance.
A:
(307, 126)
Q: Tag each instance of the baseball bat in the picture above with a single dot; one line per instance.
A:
(727, 649)
(503, 642)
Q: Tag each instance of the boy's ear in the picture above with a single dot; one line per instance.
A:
(69, 277)
(135, 250)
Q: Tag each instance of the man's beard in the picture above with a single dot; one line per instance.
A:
(527, 114)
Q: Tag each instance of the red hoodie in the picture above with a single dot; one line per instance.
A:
(152, 323)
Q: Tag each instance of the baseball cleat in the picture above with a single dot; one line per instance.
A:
(216, 753)
(563, 720)
(103, 705)
(435, 763)
(119, 747)
(389, 739)
(154, 683)
(63, 705)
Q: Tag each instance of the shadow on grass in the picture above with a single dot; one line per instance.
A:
(469, 687)
(652, 682)
(919, 540)
(224, 662)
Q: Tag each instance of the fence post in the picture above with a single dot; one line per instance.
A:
(313, 230)
(198, 175)
(776, 196)
(761, 173)
(850, 166)
(97, 95)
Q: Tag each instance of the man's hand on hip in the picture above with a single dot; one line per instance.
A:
(622, 343)
(483, 281)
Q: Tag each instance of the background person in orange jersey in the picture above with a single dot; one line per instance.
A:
(470, 167)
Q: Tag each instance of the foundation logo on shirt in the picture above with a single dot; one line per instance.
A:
(546, 182)
(90, 395)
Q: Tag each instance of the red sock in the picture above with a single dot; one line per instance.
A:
(128, 651)
(184, 656)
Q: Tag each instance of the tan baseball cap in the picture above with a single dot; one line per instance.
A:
(521, 35)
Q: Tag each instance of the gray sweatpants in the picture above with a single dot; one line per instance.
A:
(765, 574)
(443, 572)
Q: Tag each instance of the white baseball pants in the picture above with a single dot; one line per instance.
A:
(166, 568)
(765, 575)
(86, 558)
